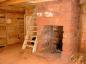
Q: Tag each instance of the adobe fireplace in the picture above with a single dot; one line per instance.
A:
(66, 14)
(52, 37)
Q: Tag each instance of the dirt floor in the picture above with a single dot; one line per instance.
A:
(14, 55)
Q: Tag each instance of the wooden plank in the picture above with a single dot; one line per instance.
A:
(39, 1)
(2, 0)
(13, 2)
(12, 9)
(82, 1)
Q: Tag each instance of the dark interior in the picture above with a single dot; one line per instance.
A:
(54, 35)
(58, 31)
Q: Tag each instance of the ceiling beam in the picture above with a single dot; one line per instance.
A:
(14, 2)
(2, 0)
(82, 1)
(39, 1)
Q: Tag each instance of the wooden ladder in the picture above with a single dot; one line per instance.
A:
(31, 39)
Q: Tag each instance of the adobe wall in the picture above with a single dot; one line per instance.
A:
(66, 15)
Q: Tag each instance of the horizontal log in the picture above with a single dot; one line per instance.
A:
(13, 2)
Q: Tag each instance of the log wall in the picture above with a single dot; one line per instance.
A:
(11, 28)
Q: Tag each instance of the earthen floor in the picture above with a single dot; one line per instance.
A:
(14, 55)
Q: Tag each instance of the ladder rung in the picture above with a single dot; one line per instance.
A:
(34, 36)
(33, 31)
(30, 46)
(32, 41)
(33, 26)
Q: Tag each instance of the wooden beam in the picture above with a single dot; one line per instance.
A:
(11, 9)
(2, 0)
(39, 1)
(82, 1)
(14, 2)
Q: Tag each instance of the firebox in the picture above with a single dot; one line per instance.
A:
(53, 36)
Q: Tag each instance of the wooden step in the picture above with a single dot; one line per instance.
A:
(30, 46)
(34, 36)
(31, 40)
(33, 31)
(33, 26)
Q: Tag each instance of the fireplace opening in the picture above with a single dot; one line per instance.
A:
(58, 37)
(53, 36)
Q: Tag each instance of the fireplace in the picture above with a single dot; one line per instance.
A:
(53, 36)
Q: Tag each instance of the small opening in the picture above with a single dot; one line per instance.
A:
(53, 36)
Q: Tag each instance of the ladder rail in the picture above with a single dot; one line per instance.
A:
(29, 35)
(28, 38)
